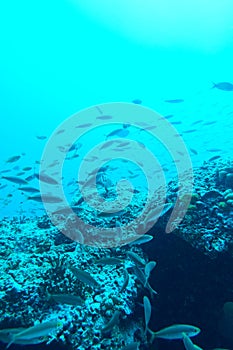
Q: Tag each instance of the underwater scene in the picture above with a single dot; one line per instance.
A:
(116, 175)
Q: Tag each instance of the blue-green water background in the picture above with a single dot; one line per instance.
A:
(58, 57)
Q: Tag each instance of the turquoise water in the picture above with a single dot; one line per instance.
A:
(61, 57)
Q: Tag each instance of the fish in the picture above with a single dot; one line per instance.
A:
(27, 168)
(176, 123)
(45, 198)
(112, 323)
(188, 344)
(29, 189)
(5, 171)
(148, 268)
(30, 177)
(178, 100)
(169, 116)
(13, 159)
(72, 157)
(197, 122)
(225, 86)
(72, 148)
(142, 278)
(142, 239)
(42, 137)
(176, 331)
(136, 258)
(60, 131)
(126, 280)
(147, 311)
(15, 179)
(104, 117)
(137, 101)
(189, 131)
(7, 334)
(84, 276)
(131, 346)
(105, 214)
(225, 324)
(155, 213)
(39, 330)
(109, 261)
(86, 125)
(214, 150)
(214, 158)
(66, 210)
(119, 132)
(68, 299)
(193, 151)
(210, 123)
(46, 178)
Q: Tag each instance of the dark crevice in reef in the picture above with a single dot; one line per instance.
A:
(192, 289)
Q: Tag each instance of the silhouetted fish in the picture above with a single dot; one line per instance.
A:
(214, 158)
(223, 86)
(46, 178)
(12, 159)
(15, 179)
(137, 101)
(193, 151)
(41, 137)
(178, 100)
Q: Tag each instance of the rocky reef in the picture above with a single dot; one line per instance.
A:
(208, 222)
(41, 275)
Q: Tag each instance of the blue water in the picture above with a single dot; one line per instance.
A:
(60, 57)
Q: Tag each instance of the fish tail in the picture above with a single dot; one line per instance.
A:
(152, 335)
(10, 342)
(214, 85)
(151, 290)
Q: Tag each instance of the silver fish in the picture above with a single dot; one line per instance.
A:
(136, 258)
(188, 344)
(148, 268)
(39, 330)
(147, 311)
(84, 276)
(113, 322)
(176, 331)
(141, 240)
(126, 280)
(109, 261)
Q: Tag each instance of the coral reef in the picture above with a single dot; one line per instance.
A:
(208, 222)
(37, 262)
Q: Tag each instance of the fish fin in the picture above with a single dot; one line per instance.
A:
(153, 335)
(11, 341)
(151, 290)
